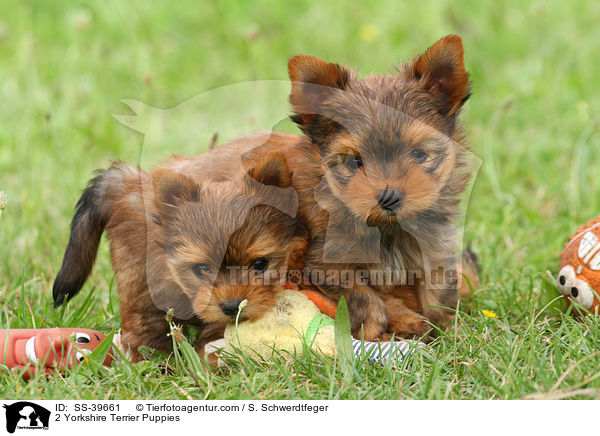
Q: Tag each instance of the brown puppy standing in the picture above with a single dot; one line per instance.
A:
(393, 156)
(199, 243)
(378, 173)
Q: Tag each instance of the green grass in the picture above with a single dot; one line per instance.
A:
(533, 119)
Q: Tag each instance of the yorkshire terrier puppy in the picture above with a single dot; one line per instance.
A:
(200, 243)
(378, 171)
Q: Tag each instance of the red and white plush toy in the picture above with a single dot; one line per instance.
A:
(579, 268)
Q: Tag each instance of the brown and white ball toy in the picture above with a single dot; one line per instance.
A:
(579, 267)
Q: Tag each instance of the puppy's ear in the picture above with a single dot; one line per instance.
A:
(171, 189)
(442, 70)
(313, 82)
(272, 170)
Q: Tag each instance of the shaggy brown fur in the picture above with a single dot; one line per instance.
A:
(378, 173)
(199, 243)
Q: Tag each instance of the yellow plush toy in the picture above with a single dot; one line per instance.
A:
(292, 319)
(295, 323)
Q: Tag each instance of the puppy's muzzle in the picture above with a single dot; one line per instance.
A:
(390, 200)
(230, 308)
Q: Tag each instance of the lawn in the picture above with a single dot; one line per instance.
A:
(533, 121)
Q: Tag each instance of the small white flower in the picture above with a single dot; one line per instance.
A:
(3, 201)
(243, 304)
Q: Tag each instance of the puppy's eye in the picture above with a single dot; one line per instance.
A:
(200, 269)
(260, 264)
(419, 155)
(354, 162)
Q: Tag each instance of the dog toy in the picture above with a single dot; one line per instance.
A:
(579, 267)
(295, 324)
(51, 349)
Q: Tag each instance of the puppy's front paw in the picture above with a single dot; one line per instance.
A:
(371, 330)
(408, 326)
(367, 315)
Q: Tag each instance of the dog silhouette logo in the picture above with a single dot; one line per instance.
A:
(26, 415)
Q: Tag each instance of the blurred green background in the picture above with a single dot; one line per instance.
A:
(533, 117)
(65, 66)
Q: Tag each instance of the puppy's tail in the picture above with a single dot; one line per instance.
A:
(93, 211)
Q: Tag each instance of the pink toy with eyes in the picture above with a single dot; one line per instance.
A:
(53, 349)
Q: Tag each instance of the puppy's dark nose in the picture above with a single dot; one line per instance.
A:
(230, 308)
(390, 199)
